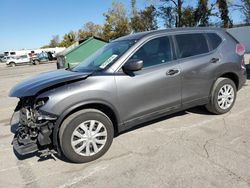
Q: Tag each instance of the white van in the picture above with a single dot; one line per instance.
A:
(16, 53)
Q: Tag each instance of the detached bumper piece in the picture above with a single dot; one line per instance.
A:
(22, 149)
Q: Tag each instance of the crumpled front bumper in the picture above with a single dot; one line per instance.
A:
(21, 149)
(24, 141)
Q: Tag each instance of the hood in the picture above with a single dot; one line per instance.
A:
(42, 81)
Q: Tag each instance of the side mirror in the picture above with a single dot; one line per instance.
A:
(133, 65)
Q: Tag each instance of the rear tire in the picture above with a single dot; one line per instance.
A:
(222, 97)
(86, 135)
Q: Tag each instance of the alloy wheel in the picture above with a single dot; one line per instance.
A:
(89, 138)
(225, 96)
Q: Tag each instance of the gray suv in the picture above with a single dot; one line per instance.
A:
(76, 112)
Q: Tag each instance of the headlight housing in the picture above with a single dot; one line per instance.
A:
(40, 115)
(40, 102)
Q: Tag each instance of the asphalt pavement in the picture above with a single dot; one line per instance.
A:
(191, 148)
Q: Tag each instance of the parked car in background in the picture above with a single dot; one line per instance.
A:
(1, 58)
(42, 58)
(18, 60)
(16, 53)
(7, 59)
(128, 81)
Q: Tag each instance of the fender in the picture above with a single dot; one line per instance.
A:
(74, 107)
(220, 74)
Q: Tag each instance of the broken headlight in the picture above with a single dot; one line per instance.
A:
(40, 115)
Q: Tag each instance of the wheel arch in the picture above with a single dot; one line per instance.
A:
(233, 76)
(12, 62)
(104, 107)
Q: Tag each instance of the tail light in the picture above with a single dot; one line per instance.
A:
(240, 49)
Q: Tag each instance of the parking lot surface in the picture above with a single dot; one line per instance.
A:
(191, 148)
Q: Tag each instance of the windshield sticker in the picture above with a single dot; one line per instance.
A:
(108, 61)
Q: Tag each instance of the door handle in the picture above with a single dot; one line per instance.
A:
(172, 72)
(214, 60)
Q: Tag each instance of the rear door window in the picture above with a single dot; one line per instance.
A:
(191, 44)
(214, 40)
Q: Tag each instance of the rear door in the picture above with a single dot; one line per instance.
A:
(23, 59)
(153, 90)
(198, 66)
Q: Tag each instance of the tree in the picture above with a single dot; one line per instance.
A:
(55, 41)
(244, 7)
(116, 22)
(179, 13)
(45, 46)
(145, 20)
(202, 13)
(188, 19)
(148, 18)
(107, 30)
(246, 10)
(175, 8)
(68, 39)
(89, 29)
(168, 15)
(135, 19)
(223, 9)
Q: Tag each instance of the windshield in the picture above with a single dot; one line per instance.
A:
(104, 56)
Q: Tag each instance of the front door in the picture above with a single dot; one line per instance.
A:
(156, 88)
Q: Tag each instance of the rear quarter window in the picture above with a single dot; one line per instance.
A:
(191, 44)
(214, 40)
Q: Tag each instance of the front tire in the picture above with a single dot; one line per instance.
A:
(222, 97)
(86, 135)
(12, 64)
(36, 62)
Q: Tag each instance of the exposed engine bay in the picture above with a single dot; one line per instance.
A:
(34, 127)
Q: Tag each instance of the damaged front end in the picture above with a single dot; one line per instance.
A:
(34, 127)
